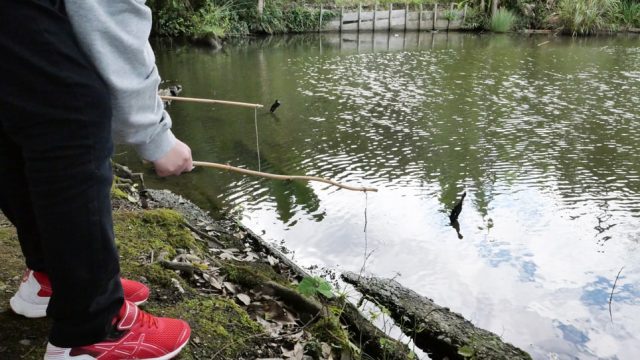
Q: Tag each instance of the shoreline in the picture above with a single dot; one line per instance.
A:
(241, 295)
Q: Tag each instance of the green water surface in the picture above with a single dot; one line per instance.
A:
(543, 138)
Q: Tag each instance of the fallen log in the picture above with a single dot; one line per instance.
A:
(433, 328)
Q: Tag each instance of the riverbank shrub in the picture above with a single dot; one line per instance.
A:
(475, 19)
(502, 21)
(279, 17)
(534, 14)
(201, 19)
(585, 17)
(629, 14)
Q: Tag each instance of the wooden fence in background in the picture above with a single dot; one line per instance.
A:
(394, 18)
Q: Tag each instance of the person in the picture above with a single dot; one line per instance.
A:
(78, 75)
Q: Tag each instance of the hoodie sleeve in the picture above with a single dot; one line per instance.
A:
(115, 36)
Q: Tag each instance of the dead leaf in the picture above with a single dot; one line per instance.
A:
(244, 298)
(326, 351)
(272, 261)
(231, 287)
(251, 256)
(297, 353)
(272, 328)
(227, 256)
(176, 283)
(213, 281)
(275, 311)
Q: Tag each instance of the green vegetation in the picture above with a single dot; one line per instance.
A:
(629, 14)
(312, 286)
(502, 21)
(584, 17)
(215, 19)
(202, 19)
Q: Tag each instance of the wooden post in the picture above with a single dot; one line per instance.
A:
(375, 13)
(494, 7)
(390, 13)
(435, 15)
(406, 15)
(341, 18)
(260, 7)
(320, 23)
(359, 11)
(464, 14)
(450, 17)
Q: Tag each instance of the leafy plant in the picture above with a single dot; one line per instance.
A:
(629, 14)
(211, 20)
(315, 285)
(466, 351)
(449, 15)
(299, 18)
(502, 21)
(584, 17)
(474, 20)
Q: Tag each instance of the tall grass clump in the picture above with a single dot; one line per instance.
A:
(502, 21)
(211, 21)
(585, 17)
(629, 14)
(280, 16)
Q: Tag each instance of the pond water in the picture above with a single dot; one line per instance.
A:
(543, 137)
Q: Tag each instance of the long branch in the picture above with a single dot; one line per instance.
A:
(210, 101)
(280, 177)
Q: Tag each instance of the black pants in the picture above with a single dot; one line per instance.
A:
(55, 171)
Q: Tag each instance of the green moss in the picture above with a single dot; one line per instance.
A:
(219, 325)
(140, 233)
(330, 330)
(116, 192)
(143, 235)
(252, 274)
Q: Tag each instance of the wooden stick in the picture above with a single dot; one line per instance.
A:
(611, 296)
(280, 177)
(210, 101)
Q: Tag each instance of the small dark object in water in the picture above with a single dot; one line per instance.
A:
(275, 106)
(174, 90)
(457, 209)
(456, 225)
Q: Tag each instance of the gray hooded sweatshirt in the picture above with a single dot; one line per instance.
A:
(115, 36)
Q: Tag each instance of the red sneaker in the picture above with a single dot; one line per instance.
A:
(136, 335)
(34, 293)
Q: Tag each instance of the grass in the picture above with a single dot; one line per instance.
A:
(585, 17)
(502, 21)
(629, 14)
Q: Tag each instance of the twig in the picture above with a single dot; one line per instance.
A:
(174, 265)
(280, 177)
(611, 296)
(211, 101)
(203, 234)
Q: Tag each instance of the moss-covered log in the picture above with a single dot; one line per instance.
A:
(434, 328)
(372, 341)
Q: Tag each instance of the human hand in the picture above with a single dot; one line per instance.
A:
(176, 161)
